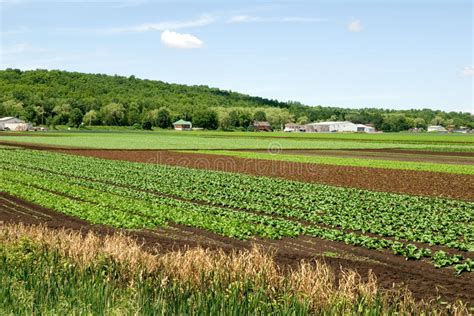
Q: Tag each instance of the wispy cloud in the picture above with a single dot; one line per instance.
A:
(21, 30)
(355, 26)
(467, 71)
(64, 60)
(179, 40)
(20, 48)
(130, 3)
(288, 19)
(160, 26)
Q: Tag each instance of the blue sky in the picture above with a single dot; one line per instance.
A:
(392, 54)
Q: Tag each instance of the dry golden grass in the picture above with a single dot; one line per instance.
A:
(313, 282)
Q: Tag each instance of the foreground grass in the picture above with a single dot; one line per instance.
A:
(58, 272)
(356, 162)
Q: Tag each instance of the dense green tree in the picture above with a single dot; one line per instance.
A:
(438, 120)
(146, 124)
(205, 118)
(90, 118)
(13, 108)
(75, 118)
(303, 120)
(419, 123)
(395, 123)
(163, 119)
(113, 114)
(61, 113)
(260, 116)
(39, 110)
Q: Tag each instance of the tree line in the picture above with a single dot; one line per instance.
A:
(77, 99)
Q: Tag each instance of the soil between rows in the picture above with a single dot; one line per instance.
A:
(422, 278)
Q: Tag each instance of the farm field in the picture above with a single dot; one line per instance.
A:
(460, 165)
(241, 140)
(405, 214)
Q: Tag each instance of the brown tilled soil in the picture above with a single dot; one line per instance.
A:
(380, 155)
(421, 277)
(388, 180)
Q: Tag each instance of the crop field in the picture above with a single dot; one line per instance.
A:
(239, 140)
(400, 206)
(461, 165)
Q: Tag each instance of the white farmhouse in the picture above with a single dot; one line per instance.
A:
(436, 128)
(327, 127)
(14, 124)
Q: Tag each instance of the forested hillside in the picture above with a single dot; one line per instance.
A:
(59, 97)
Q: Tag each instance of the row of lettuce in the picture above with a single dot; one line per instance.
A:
(135, 195)
(467, 166)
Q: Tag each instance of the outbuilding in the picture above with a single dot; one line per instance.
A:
(329, 127)
(261, 126)
(183, 125)
(361, 128)
(437, 128)
(14, 124)
(292, 127)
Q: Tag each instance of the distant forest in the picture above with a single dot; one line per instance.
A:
(70, 98)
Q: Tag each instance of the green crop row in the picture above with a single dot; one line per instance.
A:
(355, 162)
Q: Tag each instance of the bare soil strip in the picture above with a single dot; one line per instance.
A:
(438, 184)
(421, 277)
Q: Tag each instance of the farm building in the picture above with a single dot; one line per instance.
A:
(292, 127)
(437, 128)
(261, 126)
(14, 124)
(327, 127)
(462, 130)
(365, 128)
(183, 125)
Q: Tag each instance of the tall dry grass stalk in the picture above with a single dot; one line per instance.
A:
(311, 282)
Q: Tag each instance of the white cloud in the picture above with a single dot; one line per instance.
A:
(467, 71)
(355, 26)
(249, 18)
(160, 26)
(179, 40)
